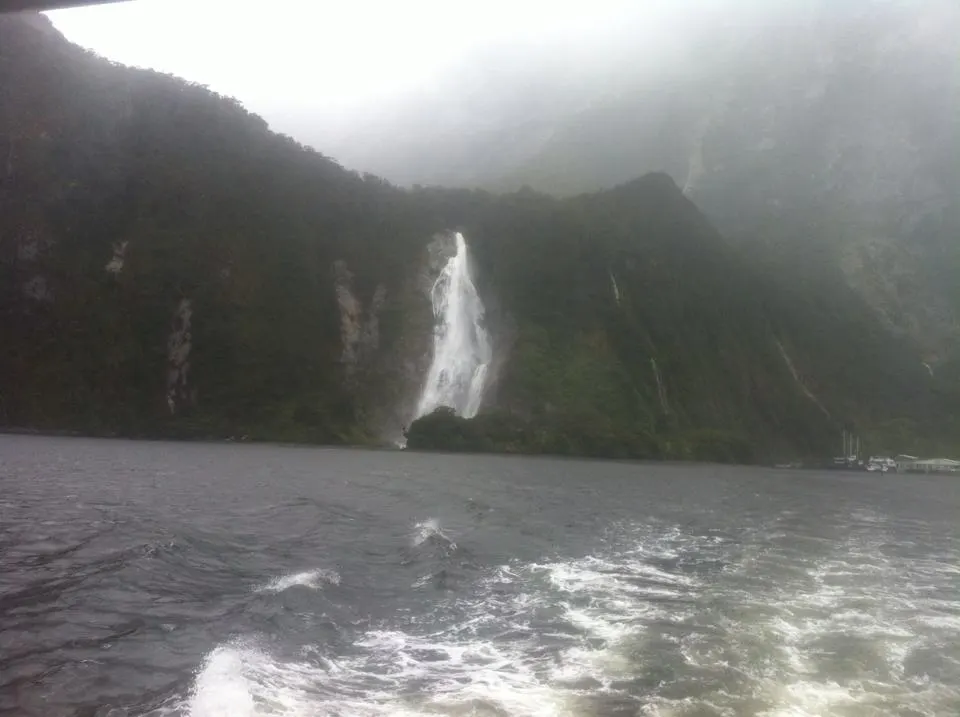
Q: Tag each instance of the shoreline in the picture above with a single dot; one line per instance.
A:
(389, 448)
(384, 447)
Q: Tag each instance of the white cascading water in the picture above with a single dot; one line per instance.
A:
(461, 347)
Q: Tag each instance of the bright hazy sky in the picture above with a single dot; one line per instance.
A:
(288, 54)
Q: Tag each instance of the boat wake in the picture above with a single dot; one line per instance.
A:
(662, 623)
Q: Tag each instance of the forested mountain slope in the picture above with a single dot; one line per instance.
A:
(168, 266)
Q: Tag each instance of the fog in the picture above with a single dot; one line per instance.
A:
(314, 70)
(297, 61)
(439, 92)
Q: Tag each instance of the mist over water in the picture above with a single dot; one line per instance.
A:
(208, 580)
(461, 346)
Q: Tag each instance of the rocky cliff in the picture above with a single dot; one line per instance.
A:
(170, 267)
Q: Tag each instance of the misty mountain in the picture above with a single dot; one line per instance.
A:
(824, 122)
(170, 267)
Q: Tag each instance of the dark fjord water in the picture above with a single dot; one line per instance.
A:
(166, 579)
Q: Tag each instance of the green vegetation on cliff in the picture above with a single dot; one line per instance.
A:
(634, 321)
(502, 432)
(200, 202)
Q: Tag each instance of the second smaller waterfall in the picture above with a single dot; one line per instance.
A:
(461, 346)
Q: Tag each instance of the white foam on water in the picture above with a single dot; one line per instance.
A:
(314, 579)
(430, 531)
(803, 699)
(831, 641)
(609, 600)
(476, 676)
(945, 623)
(462, 670)
(242, 680)
(424, 530)
(562, 637)
(489, 662)
(221, 690)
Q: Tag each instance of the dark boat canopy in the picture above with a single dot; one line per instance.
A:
(42, 5)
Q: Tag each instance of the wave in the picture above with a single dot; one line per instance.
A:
(429, 532)
(242, 680)
(314, 579)
(521, 644)
(431, 545)
(638, 628)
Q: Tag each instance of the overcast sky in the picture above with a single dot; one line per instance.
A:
(315, 56)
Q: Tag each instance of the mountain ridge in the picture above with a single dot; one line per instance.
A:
(170, 267)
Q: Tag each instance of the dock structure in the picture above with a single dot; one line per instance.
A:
(912, 464)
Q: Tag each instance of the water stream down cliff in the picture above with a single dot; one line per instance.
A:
(461, 346)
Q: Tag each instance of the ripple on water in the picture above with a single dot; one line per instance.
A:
(229, 605)
(616, 634)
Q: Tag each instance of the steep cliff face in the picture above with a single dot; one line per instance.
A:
(178, 358)
(168, 264)
(170, 267)
(386, 370)
(637, 321)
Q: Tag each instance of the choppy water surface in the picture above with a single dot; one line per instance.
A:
(166, 579)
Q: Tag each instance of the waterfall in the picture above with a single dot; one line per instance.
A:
(461, 347)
